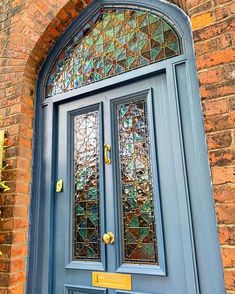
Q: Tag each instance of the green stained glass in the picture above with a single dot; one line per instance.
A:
(86, 230)
(136, 187)
(136, 37)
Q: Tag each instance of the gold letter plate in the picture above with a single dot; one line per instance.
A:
(110, 280)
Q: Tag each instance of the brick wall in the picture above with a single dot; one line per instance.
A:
(28, 29)
(213, 30)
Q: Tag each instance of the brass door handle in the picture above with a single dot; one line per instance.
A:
(107, 149)
(108, 238)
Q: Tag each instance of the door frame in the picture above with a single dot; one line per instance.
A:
(182, 76)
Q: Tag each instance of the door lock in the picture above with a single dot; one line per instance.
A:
(108, 238)
(59, 186)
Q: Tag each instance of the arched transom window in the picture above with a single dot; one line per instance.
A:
(112, 42)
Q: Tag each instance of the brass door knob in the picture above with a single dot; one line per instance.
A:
(108, 238)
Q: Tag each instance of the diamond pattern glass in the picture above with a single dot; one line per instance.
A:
(113, 42)
(86, 225)
(136, 188)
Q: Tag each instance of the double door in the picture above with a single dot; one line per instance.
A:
(122, 217)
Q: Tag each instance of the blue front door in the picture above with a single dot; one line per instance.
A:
(123, 207)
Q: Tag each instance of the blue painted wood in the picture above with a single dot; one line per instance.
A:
(199, 182)
(160, 269)
(64, 268)
(195, 177)
(116, 81)
(43, 235)
(73, 289)
(181, 182)
(125, 292)
(143, 279)
(69, 263)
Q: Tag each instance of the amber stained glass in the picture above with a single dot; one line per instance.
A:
(114, 41)
(86, 228)
(136, 187)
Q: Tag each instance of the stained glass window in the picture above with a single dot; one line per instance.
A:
(114, 41)
(86, 230)
(136, 187)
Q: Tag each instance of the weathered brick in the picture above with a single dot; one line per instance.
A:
(232, 8)
(214, 30)
(20, 289)
(221, 12)
(225, 194)
(227, 234)
(230, 279)
(225, 214)
(200, 8)
(201, 20)
(220, 122)
(232, 103)
(17, 264)
(215, 58)
(16, 278)
(223, 175)
(228, 256)
(212, 107)
(223, 157)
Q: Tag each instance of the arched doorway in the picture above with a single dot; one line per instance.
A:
(121, 176)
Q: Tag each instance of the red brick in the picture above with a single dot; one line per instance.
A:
(17, 278)
(19, 251)
(225, 194)
(210, 76)
(42, 6)
(20, 289)
(232, 7)
(228, 256)
(216, 58)
(230, 279)
(17, 265)
(232, 103)
(4, 265)
(6, 238)
(212, 107)
(227, 234)
(220, 122)
(4, 279)
(223, 175)
(218, 2)
(223, 89)
(221, 12)
(223, 157)
(214, 30)
(225, 214)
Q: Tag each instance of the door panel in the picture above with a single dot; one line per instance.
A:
(135, 169)
(139, 194)
(83, 290)
(122, 292)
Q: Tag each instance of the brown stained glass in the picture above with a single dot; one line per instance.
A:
(86, 230)
(111, 43)
(136, 188)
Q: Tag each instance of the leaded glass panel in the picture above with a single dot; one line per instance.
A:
(136, 187)
(86, 223)
(114, 41)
